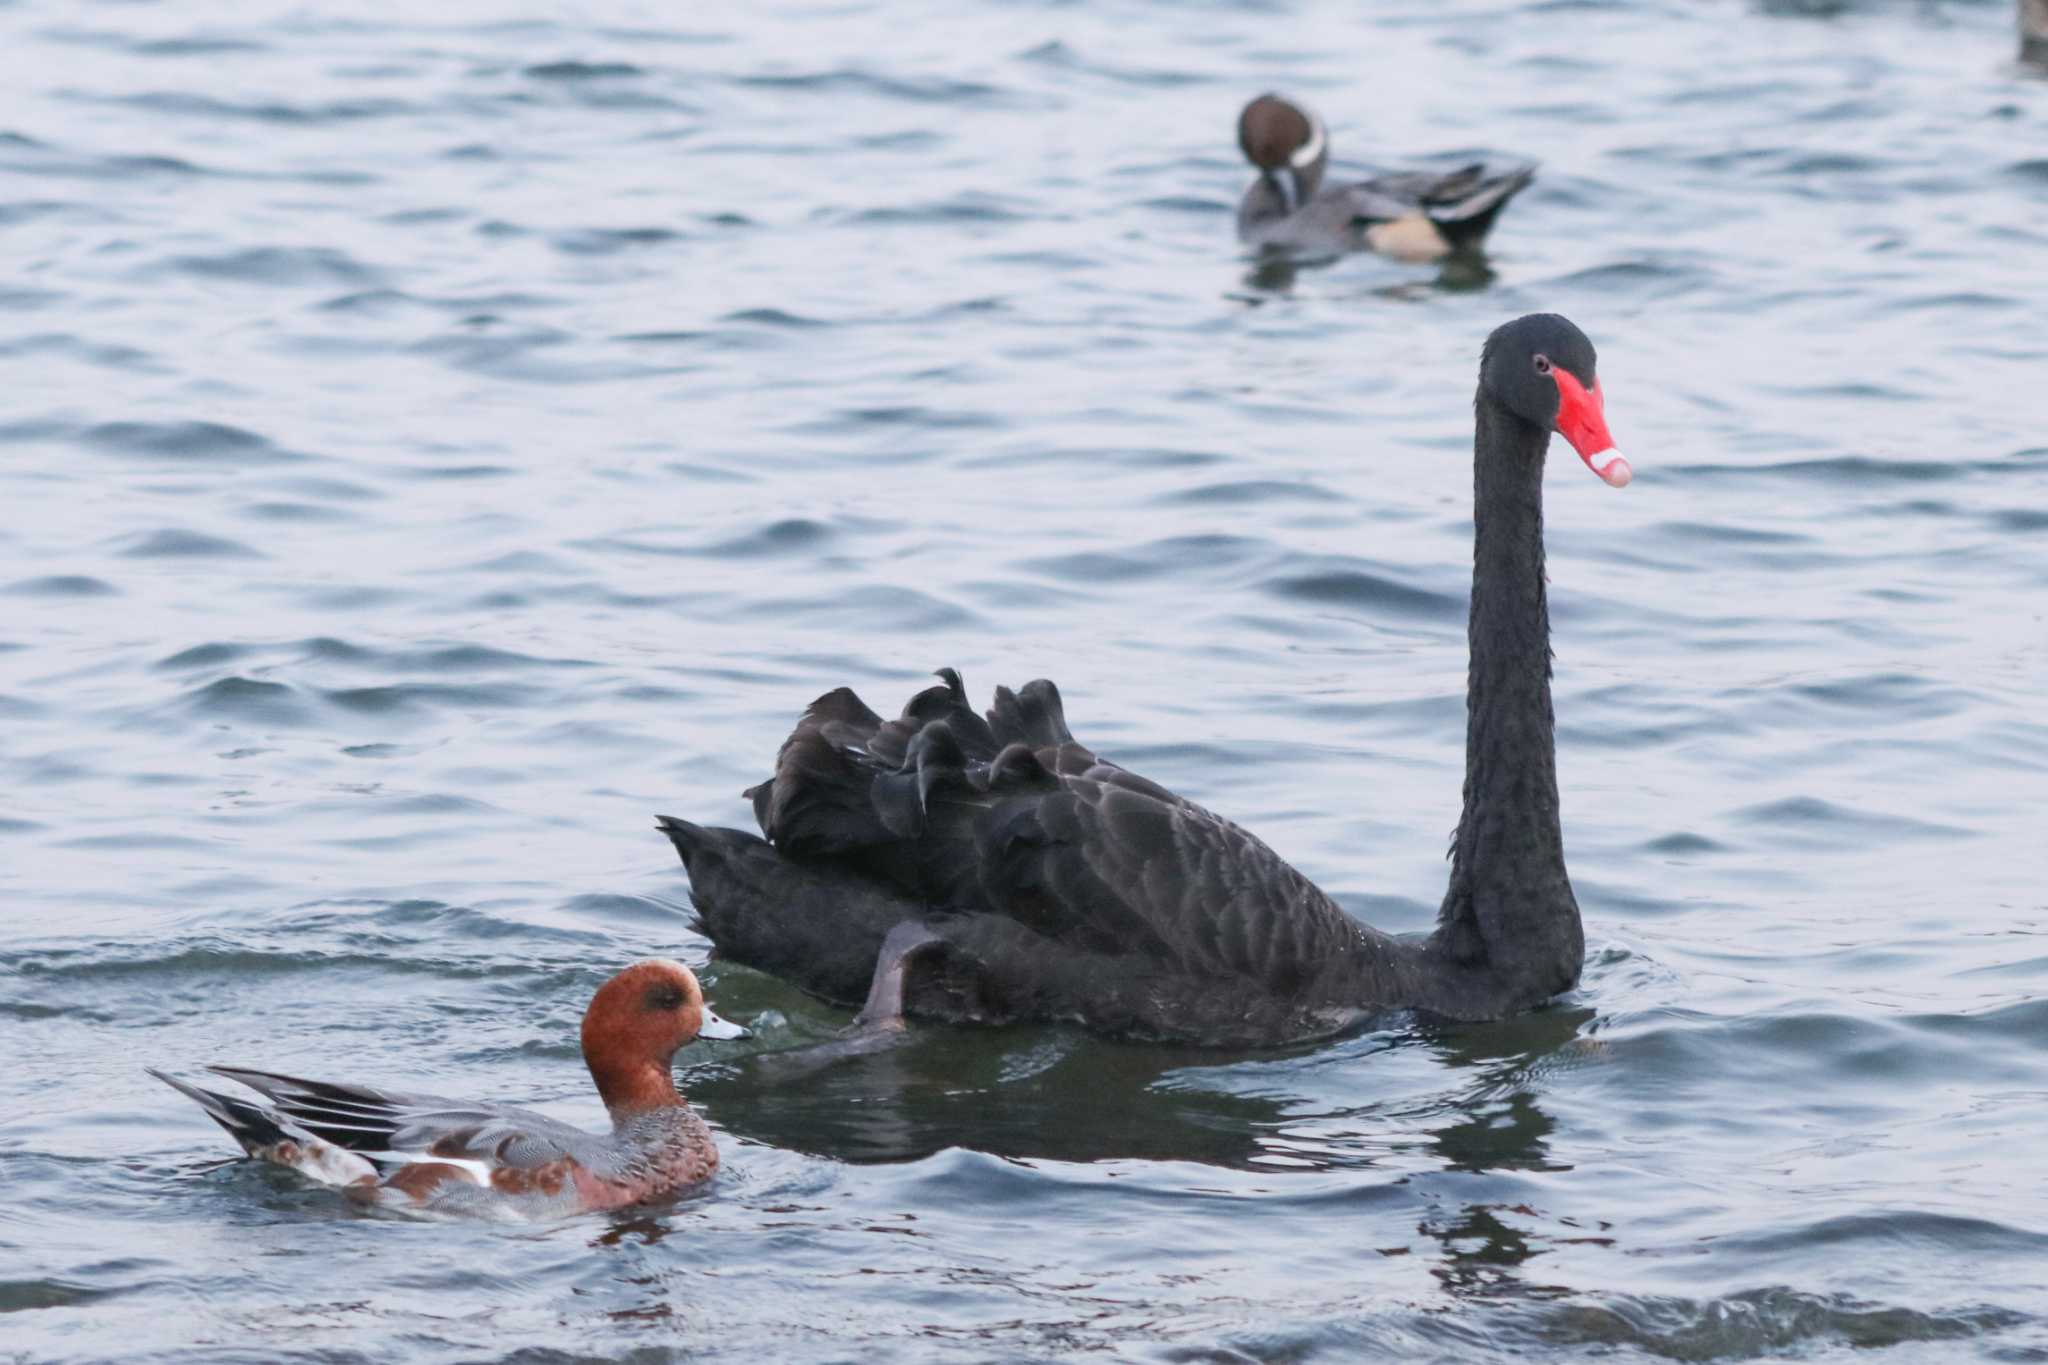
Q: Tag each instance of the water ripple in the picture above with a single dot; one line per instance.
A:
(438, 441)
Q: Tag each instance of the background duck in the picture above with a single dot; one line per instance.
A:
(1409, 215)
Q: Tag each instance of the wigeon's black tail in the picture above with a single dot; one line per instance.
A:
(1464, 204)
(267, 1135)
(253, 1126)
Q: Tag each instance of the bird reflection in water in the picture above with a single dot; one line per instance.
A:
(1460, 1101)
(1048, 1093)
(640, 1227)
(1461, 272)
(1486, 1245)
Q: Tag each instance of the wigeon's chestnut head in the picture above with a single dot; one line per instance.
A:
(418, 1153)
(636, 1022)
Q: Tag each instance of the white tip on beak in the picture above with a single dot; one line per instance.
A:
(720, 1030)
(1612, 466)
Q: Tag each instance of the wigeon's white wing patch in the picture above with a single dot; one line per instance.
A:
(322, 1161)
(271, 1136)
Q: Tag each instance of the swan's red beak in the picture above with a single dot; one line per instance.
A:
(1582, 420)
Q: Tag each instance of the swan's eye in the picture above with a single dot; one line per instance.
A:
(1543, 364)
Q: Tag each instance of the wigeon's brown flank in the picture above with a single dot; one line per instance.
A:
(548, 1179)
(634, 1025)
(421, 1179)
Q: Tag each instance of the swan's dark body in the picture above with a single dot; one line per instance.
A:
(1066, 888)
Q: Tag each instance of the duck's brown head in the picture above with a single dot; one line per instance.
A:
(1286, 143)
(636, 1022)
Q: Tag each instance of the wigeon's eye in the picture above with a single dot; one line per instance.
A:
(1542, 364)
(665, 995)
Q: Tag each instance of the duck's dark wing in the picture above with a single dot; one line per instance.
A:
(1462, 203)
(1007, 814)
(385, 1125)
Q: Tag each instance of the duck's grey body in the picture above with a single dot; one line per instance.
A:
(1411, 215)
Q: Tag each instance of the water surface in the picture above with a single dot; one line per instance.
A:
(433, 445)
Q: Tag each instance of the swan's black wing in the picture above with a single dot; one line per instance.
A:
(1007, 814)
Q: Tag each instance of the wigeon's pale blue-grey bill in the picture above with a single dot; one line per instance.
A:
(418, 1153)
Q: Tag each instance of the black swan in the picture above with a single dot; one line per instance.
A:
(992, 869)
(1413, 215)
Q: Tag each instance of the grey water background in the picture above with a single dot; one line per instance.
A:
(433, 443)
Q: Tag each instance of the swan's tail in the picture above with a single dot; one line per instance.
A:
(819, 925)
(869, 823)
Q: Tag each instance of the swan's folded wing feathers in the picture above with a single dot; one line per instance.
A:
(1036, 716)
(843, 706)
(1035, 861)
(947, 704)
(898, 803)
(820, 802)
(1212, 896)
(1043, 831)
(1017, 768)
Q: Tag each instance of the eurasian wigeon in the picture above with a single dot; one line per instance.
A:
(1411, 215)
(424, 1154)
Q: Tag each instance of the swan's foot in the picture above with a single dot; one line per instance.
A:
(879, 1026)
(883, 1012)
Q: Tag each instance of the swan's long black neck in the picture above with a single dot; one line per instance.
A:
(1509, 924)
